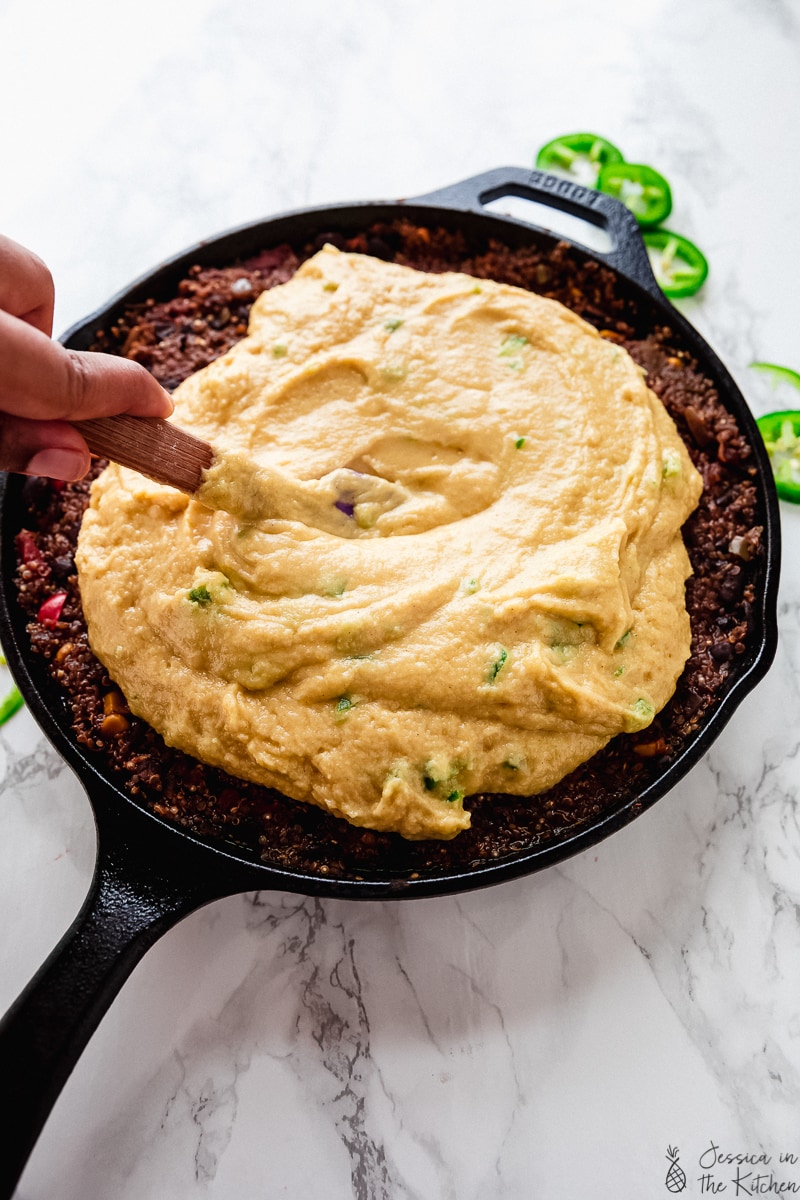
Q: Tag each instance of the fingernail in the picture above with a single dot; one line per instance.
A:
(161, 407)
(57, 463)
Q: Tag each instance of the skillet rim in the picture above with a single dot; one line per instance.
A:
(463, 214)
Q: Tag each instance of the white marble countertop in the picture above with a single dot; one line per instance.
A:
(549, 1037)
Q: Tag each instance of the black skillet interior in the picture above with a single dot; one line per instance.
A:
(458, 207)
(150, 874)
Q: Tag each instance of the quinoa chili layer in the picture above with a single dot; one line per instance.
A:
(209, 313)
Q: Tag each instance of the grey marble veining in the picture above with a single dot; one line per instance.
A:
(553, 1036)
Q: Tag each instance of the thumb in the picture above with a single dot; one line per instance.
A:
(42, 380)
(51, 448)
(103, 385)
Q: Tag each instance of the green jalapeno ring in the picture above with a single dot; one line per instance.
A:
(640, 188)
(10, 704)
(778, 374)
(587, 150)
(781, 434)
(669, 248)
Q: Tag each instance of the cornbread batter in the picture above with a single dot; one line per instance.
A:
(483, 582)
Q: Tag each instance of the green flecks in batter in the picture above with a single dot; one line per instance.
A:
(497, 665)
(393, 371)
(641, 713)
(511, 349)
(351, 638)
(201, 596)
(336, 587)
(565, 638)
(671, 464)
(440, 776)
(365, 516)
(342, 708)
(434, 772)
(512, 344)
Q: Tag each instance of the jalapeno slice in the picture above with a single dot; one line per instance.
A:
(640, 188)
(578, 156)
(778, 374)
(781, 434)
(10, 704)
(679, 267)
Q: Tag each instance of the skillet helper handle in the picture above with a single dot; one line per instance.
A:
(628, 254)
(130, 905)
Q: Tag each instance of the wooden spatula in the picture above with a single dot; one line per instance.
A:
(245, 488)
(156, 448)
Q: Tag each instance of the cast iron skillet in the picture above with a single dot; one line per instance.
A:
(150, 874)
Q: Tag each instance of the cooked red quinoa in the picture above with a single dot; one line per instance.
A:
(209, 312)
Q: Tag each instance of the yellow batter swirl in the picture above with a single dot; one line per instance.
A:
(456, 565)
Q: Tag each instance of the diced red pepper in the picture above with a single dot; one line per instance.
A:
(50, 611)
(26, 546)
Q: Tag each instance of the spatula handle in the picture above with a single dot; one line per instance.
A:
(156, 448)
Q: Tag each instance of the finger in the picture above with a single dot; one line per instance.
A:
(40, 379)
(26, 286)
(51, 448)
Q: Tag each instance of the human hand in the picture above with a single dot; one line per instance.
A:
(43, 386)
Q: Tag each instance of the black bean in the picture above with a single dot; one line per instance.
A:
(36, 492)
(63, 566)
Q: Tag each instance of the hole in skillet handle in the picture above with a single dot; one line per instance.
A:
(561, 224)
(603, 226)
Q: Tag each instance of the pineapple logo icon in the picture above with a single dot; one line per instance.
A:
(676, 1178)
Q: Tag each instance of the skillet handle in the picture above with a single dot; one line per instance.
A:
(628, 254)
(138, 892)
